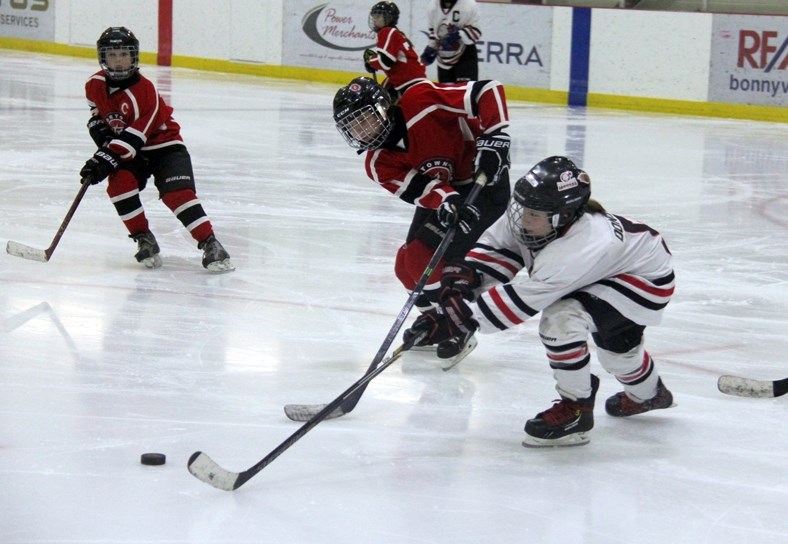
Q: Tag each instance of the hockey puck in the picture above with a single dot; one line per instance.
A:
(153, 459)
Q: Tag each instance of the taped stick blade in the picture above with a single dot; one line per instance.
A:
(26, 252)
(305, 412)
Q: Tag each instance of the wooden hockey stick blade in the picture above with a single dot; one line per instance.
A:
(26, 252)
(748, 387)
(305, 412)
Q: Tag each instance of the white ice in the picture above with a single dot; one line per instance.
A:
(102, 360)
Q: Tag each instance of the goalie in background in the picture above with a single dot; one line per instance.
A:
(453, 33)
(138, 138)
(425, 150)
(557, 251)
(393, 54)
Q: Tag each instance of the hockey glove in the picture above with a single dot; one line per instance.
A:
(99, 166)
(492, 155)
(431, 323)
(459, 315)
(429, 55)
(454, 211)
(458, 280)
(451, 40)
(99, 131)
(368, 54)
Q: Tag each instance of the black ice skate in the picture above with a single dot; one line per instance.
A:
(214, 256)
(565, 424)
(621, 405)
(454, 350)
(147, 249)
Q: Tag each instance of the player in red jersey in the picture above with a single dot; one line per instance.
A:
(393, 54)
(425, 150)
(138, 138)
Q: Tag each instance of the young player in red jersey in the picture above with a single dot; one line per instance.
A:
(588, 272)
(394, 54)
(425, 150)
(138, 138)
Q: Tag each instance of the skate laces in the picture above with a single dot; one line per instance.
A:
(561, 412)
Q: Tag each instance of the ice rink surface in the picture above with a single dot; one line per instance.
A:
(102, 360)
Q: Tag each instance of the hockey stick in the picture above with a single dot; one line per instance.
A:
(43, 255)
(207, 470)
(302, 412)
(748, 387)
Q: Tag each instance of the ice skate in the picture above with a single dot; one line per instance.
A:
(564, 424)
(214, 257)
(454, 350)
(622, 405)
(147, 249)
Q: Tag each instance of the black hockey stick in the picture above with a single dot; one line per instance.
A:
(748, 387)
(303, 412)
(207, 470)
(43, 255)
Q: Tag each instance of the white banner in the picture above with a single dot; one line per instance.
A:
(514, 49)
(516, 44)
(328, 35)
(28, 19)
(749, 60)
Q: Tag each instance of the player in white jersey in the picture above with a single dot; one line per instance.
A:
(453, 33)
(588, 271)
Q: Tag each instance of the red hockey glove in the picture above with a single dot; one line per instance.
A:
(458, 280)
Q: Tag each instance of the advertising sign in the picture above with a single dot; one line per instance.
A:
(28, 19)
(514, 49)
(749, 62)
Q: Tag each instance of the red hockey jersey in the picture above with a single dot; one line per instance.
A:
(137, 114)
(443, 122)
(396, 58)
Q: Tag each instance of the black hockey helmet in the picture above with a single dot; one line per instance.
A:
(554, 185)
(361, 113)
(388, 11)
(118, 38)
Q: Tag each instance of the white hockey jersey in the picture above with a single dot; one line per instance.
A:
(625, 263)
(463, 16)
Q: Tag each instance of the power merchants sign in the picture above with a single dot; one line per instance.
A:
(749, 63)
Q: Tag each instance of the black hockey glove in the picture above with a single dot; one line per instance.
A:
(458, 280)
(454, 211)
(492, 155)
(368, 53)
(450, 40)
(459, 315)
(99, 131)
(433, 325)
(99, 166)
(429, 55)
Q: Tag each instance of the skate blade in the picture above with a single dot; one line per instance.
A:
(220, 266)
(152, 262)
(578, 439)
(448, 364)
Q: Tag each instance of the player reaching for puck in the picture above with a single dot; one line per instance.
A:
(589, 272)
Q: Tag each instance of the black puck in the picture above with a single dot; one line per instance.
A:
(153, 459)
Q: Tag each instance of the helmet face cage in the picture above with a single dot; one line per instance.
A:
(116, 39)
(555, 186)
(388, 11)
(361, 114)
(514, 214)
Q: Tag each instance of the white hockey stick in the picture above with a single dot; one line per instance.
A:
(748, 387)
